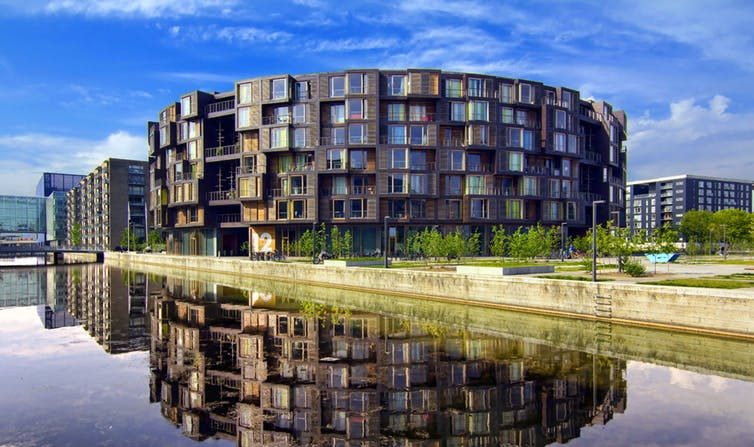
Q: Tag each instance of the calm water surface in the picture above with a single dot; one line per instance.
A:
(98, 356)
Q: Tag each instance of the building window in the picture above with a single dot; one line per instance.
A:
(506, 115)
(279, 89)
(357, 133)
(418, 208)
(530, 186)
(506, 93)
(302, 90)
(299, 210)
(478, 134)
(522, 117)
(526, 93)
(560, 119)
(337, 86)
(336, 158)
(515, 137)
(566, 167)
(396, 112)
(339, 185)
(338, 113)
(244, 93)
(560, 142)
(338, 209)
(397, 208)
(571, 211)
(278, 137)
(356, 109)
(476, 87)
(475, 184)
(479, 209)
(299, 113)
(457, 111)
(418, 184)
(513, 209)
(358, 159)
(396, 85)
(396, 183)
(479, 111)
(528, 140)
(193, 154)
(396, 134)
(453, 185)
(244, 117)
(453, 88)
(456, 160)
(186, 106)
(398, 158)
(338, 136)
(298, 185)
(356, 84)
(565, 99)
(282, 206)
(418, 112)
(418, 135)
(417, 160)
(358, 208)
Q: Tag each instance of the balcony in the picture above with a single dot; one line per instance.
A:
(228, 218)
(350, 191)
(292, 191)
(183, 176)
(454, 142)
(480, 168)
(226, 195)
(222, 152)
(425, 166)
(276, 119)
(227, 106)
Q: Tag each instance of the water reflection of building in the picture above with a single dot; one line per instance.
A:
(282, 376)
(111, 305)
(23, 287)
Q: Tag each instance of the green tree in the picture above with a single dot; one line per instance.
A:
(128, 239)
(433, 244)
(517, 244)
(305, 244)
(76, 234)
(336, 242)
(454, 245)
(695, 225)
(499, 242)
(155, 240)
(348, 243)
(732, 225)
(473, 244)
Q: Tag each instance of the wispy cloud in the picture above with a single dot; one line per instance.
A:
(351, 44)
(27, 155)
(229, 34)
(140, 8)
(696, 138)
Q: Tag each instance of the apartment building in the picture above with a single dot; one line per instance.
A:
(655, 202)
(108, 200)
(419, 148)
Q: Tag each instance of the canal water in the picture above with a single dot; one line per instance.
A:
(91, 355)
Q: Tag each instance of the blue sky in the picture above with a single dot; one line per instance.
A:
(79, 78)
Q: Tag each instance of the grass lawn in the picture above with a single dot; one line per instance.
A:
(572, 277)
(734, 281)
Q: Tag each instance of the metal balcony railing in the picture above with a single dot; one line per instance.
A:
(220, 151)
(292, 191)
(277, 119)
(482, 168)
(183, 176)
(220, 106)
(228, 218)
(230, 194)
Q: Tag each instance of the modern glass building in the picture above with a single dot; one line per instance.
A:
(23, 215)
(56, 218)
(50, 182)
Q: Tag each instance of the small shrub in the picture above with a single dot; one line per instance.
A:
(634, 268)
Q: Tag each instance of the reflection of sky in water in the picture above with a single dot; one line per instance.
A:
(59, 387)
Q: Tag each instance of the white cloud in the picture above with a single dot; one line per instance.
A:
(694, 139)
(352, 44)
(27, 155)
(242, 35)
(138, 8)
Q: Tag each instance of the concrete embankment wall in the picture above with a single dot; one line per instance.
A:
(708, 311)
(79, 258)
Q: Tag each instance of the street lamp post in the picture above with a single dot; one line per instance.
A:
(594, 238)
(562, 240)
(725, 247)
(617, 224)
(314, 242)
(386, 240)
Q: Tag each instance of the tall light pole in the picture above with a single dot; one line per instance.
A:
(387, 241)
(314, 242)
(725, 248)
(562, 240)
(617, 224)
(594, 238)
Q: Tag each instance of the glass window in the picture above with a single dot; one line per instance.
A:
(337, 86)
(302, 90)
(357, 133)
(418, 184)
(474, 162)
(244, 93)
(358, 208)
(566, 99)
(298, 185)
(479, 110)
(528, 140)
(193, 129)
(339, 185)
(513, 209)
(418, 135)
(418, 210)
(515, 161)
(282, 206)
(453, 185)
(418, 159)
(398, 158)
(396, 112)
(397, 208)
(506, 93)
(244, 117)
(526, 93)
(299, 113)
(515, 137)
(454, 209)
(356, 109)
(457, 111)
(418, 112)
(479, 209)
(279, 89)
(476, 87)
(300, 137)
(560, 119)
(530, 186)
(475, 184)
(506, 115)
(356, 83)
(560, 142)
(336, 158)
(453, 88)
(278, 137)
(192, 152)
(522, 117)
(396, 183)
(338, 209)
(573, 144)
(396, 134)
(566, 167)
(186, 106)
(457, 160)
(396, 85)
(338, 113)
(358, 159)
(338, 136)
(281, 115)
